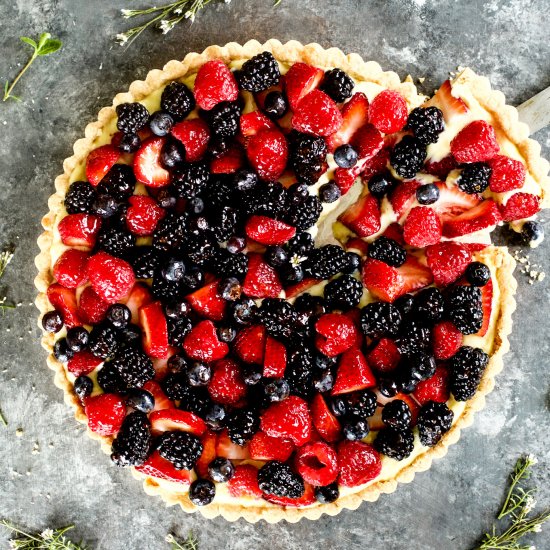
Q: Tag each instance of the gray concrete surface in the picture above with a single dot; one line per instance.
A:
(53, 474)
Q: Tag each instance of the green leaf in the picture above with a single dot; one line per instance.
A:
(44, 37)
(29, 41)
(50, 46)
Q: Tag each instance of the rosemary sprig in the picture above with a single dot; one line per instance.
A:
(49, 539)
(46, 45)
(190, 543)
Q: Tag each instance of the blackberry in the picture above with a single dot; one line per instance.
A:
(224, 223)
(227, 265)
(242, 424)
(202, 492)
(275, 105)
(413, 338)
(201, 249)
(116, 242)
(119, 182)
(307, 156)
(360, 403)
(175, 384)
(266, 198)
(103, 341)
(388, 251)
(170, 232)
(141, 400)
(259, 73)
(177, 100)
(161, 123)
(221, 470)
(434, 420)
(190, 179)
(325, 262)
(299, 371)
(427, 194)
(130, 335)
(345, 156)
(532, 232)
(380, 319)
(426, 123)
(134, 367)
(193, 279)
(397, 414)
(474, 178)
(467, 367)
(245, 180)
(305, 214)
(279, 317)
(80, 198)
(178, 330)
(131, 117)
(83, 387)
(428, 306)
(478, 274)
(338, 85)
(397, 444)
(224, 118)
(408, 156)
(324, 381)
(221, 191)
(166, 290)
(327, 494)
(405, 304)
(381, 185)
(343, 293)
(109, 379)
(464, 308)
(180, 448)
(277, 478)
(301, 244)
(197, 401)
(133, 441)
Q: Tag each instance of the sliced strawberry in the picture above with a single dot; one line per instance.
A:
(226, 385)
(202, 343)
(388, 112)
(324, 421)
(91, 308)
(261, 280)
(160, 468)
(363, 217)
(336, 333)
(254, 122)
(64, 300)
(403, 196)
(299, 288)
(484, 215)
(214, 83)
(355, 113)
(422, 227)
(208, 440)
(229, 161)
(143, 215)
(267, 152)
(161, 365)
(475, 247)
(520, 206)
(375, 165)
(357, 245)
(487, 307)
(83, 362)
(307, 499)
(79, 230)
(100, 161)
(448, 260)
(344, 179)
(105, 413)
(317, 114)
(451, 105)
(446, 339)
(353, 373)
(70, 268)
(161, 399)
(274, 358)
(476, 142)
(207, 301)
(506, 174)
(155, 330)
(250, 344)
(317, 463)
(195, 135)
(435, 388)
(265, 447)
(288, 419)
(452, 201)
(268, 231)
(385, 356)
(440, 168)
(244, 482)
(300, 80)
(227, 449)
(168, 420)
(368, 142)
(147, 164)
(359, 463)
(112, 278)
(394, 231)
(139, 296)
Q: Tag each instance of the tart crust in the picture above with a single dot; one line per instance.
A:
(507, 120)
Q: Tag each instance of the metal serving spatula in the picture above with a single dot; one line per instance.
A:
(535, 112)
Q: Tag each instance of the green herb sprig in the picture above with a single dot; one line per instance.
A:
(190, 543)
(5, 258)
(49, 539)
(46, 45)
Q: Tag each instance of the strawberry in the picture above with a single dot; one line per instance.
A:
(139, 296)
(357, 245)
(267, 152)
(112, 278)
(388, 283)
(64, 300)
(388, 112)
(324, 421)
(299, 288)
(446, 340)
(445, 100)
(375, 165)
(448, 260)
(506, 174)
(143, 215)
(160, 468)
(452, 201)
(202, 343)
(435, 388)
(226, 385)
(268, 231)
(100, 161)
(168, 420)
(105, 413)
(147, 164)
(486, 306)
(368, 142)
(403, 197)
(261, 280)
(353, 373)
(440, 168)
(214, 83)
(288, 419)
(394, 231)
(227, 449)
(254, 122)
(244, 482)
(475, 247)
(207, 301)
(362, 217)
(265, 447)
(155, 330)
(70, 268)
(79, 230)
(476, 142)
(91, 308)
(355, 113)
(161, 400)
(359, 463)
(317, 463)
(307, 499)
(83, 362)
(345, 178)
(519, 206)
(195, 135)
(336, 333)
(161, 364)
(250, 344)
(300, 80)
(385, 356)
(208, 440)
(422, 227)
(274, 359)
(317, 114)
(229, 161)
(484, 215)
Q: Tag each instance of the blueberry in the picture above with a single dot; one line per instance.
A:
(167, 198)
(245, 180)
(119, 315)
(199, 374)
(202, 492)
(61, 351)
(323, 362)
(327, 494)
(427, 194)
(478, 274)
(161, 123)
(354, 263)
(329, 192)
(275, 105)
(77, 338)
(277, 390)
(355, 428)
(345, 156)
(177, 309)
(243, 311)
(83, 386)
(251, 375)
(129, 143)
(52, 321)
(532, 232)
(324, 381)
(381, 185)
(291, 273)
(177, 363)
(276, 256)
(299, 192)
(338, 405)
(172, 153)
(141, 400)
(388, 387)
(227, 334)
(105, 206)
(174, 270)
(230, 289)
(221, 470)
(421, 365)
(215, 417)
(193, 279)
(236, 245)
(130, 335)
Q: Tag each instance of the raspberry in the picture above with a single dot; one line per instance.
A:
(105, 413)
(317, 114)
(475, 143)
(519, 206)
(506, 174)
(388, 112)
(317, 463)
(358, 462)
(422, 227)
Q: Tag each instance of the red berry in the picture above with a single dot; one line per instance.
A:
(482, 216)
(265, 447)
(353, 373)
(70, 268)
(451, 105)
(268, 231)
(143, 215)
(64, 300)
(520, 206)
(476, 142)
(209, 441)
(267, 152)
(378, 164)
(207, 301)
(274, 359)
(446, 340)
(317, 114)
(160, 468)
(344, 179)
(336, 333)
(244, 482)
(317, 463)
(422, 227)
(448, 260)
(83, 362)
(385, 356)
(403, 197)
(214, 83)
(250, 344)
(254, 122)
(105, 413)
(363, 217)
(161, 399)
(91, 308)
(195, 135)
(226, 385)
(300, 80)
(368, 142)
(359, 463)
(100, 161)
(147, 163)
(155, 330)
(506, 174)
(202, 343)
(139, 296)
(79, 230)
(307, 499)
(435, 388)
(168, 420)
(288, 419)
(324, 421)
(355, 114)
(227, 449)
(111, 278)
(388, 112)
(440, 168)
(229, 161)
(261, 280)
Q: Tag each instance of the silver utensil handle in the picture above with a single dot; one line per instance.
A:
(535, 112)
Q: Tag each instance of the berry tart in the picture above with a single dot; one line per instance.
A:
(267, 282)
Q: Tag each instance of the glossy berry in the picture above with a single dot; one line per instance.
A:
(434, 420)
(77, 338)
(202, 492)
(464, 308)
(133, 441)
(275, 105)
(259, 73)
(426, 123)
(345, 156)
(131, 117)
(355, 428)
(199, 374)
(354, 263)
(388, 387)
(408, 156)
(532, 232)
(344, 292)
(223, 119)
(478, 274)
(474, 178)
(277, 390)
(105, 206)
(397, 444)
(324, 381)
(381, 184)
(83, 386)
(230, 289)
(428, 306)
(327, 494)
(236, 245)
(245, 179)
(80, 197)
(172, 153)
(380, 319)
(52, 321)
(337, 85)
(421, 366)
(174, 270)
(276, 478)
(141, 400)
(221, 470)
(329, 192)
(180, 448)
(467, 367)
(129, 143)
(397, 414)
(161, 123)
(227, 334)
(427, 194)
(388, 251)
(215, 417)
(177, 100)
(119, 315)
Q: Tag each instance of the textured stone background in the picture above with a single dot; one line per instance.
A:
(66, 479)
